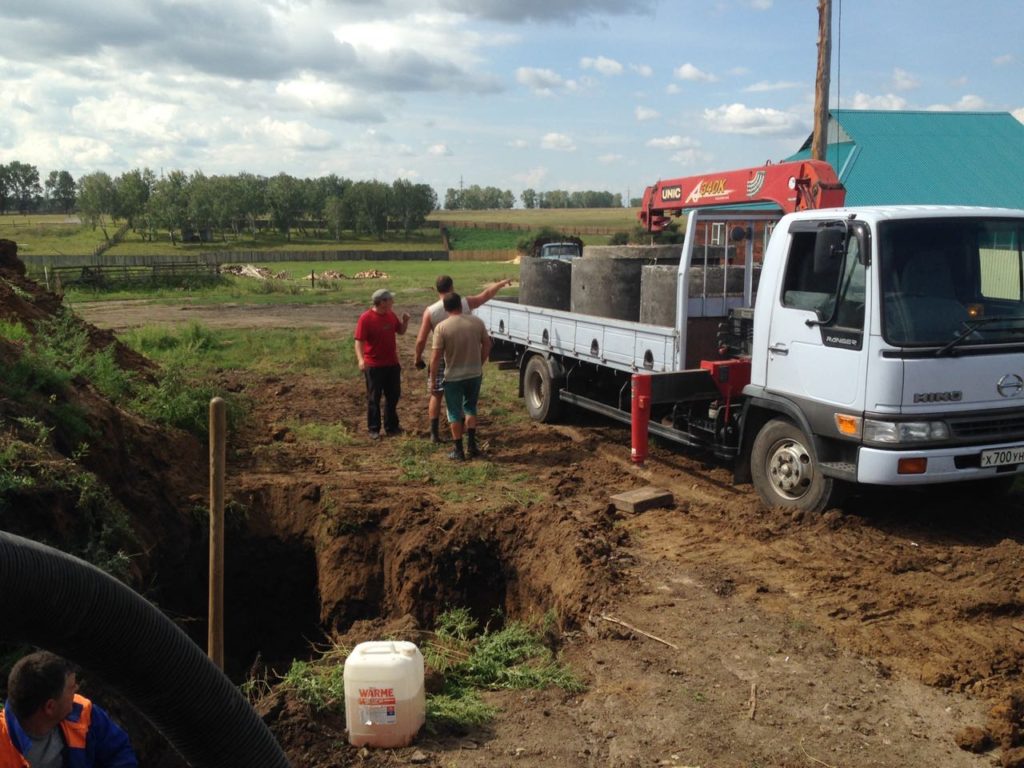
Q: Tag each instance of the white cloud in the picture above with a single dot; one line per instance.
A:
(129, 115)
(644, 70)
(689, 157)
(967, 103)
(689, 72)
(779, 85)
(672, 89)
(531, 177)
(756, 121)
(540, 81)
(672, 142)
(887, 101)
(294, 134)
(1019, 114)
(959, 82)
(609, 159)
(607, 67)
(761, 5)
(646, 113)
(557, 141)
(1002, 61)
(439, 150)
(903, 80)
(309, 92)
(518, 144)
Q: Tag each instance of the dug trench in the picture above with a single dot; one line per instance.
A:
(707, 632)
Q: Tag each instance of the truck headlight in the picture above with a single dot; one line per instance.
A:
(904, 431)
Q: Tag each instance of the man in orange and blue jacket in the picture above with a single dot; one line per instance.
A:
(46, 724)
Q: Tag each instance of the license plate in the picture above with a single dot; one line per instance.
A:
(1000, 457)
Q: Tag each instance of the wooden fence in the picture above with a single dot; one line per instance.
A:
(157, 273)
(36, 264)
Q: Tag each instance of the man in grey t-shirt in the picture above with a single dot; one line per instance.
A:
(463, 343)
(432, 317)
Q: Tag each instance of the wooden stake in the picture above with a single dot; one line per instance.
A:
(215, 635)
(639, 631)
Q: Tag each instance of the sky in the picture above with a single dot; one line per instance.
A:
(608, 95)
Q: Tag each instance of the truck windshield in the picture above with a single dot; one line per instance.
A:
(952, 282)
(559, 251)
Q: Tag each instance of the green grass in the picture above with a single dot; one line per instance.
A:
(268, 240)
(321, 683)
(489, 484)
(512, 658)
(102, 533)
(58, 235)
(267, 350)
(334, 435)
(411, 281)
(50, 235)
(557, 218)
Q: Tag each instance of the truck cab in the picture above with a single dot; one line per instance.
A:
(889, 340)
(560, 251)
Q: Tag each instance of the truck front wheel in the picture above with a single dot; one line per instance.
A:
(540, 390)
(785, 470)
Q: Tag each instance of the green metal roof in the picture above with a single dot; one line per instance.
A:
(942, 158)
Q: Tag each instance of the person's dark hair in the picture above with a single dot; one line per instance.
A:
(444, 284)
(34, 680)
(452, 301)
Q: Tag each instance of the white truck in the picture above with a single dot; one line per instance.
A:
(886, 345)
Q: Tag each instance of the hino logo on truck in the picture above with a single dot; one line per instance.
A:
(1010, 385)
(939, 397)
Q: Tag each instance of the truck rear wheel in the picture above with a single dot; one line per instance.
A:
(540, 390)
(785, 470)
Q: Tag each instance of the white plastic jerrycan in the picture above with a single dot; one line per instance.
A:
(385, 704)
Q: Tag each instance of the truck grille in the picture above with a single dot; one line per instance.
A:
(989, 428)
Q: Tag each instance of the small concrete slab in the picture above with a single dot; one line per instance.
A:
(642, 498)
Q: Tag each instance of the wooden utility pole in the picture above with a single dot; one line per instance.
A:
(821, 83)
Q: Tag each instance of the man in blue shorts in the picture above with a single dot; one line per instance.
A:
(432, 316)
(463, 343)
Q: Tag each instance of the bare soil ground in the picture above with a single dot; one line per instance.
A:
(709, 633)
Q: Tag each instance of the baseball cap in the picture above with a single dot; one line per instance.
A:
(382, 294)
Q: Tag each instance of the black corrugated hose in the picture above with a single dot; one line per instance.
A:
(58, 602)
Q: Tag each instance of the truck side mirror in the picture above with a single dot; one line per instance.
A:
(829, 248)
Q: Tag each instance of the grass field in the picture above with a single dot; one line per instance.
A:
(556, 218)
(50, 235)
(54, 235)
(411, 281)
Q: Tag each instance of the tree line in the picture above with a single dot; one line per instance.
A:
(196, 205)
(477, 198)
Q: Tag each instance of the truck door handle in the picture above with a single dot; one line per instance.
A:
(779, 349)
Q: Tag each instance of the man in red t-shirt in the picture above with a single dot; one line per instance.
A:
(377, 355)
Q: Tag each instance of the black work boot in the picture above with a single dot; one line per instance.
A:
(457, 453)
(472, 449)
(435, 435)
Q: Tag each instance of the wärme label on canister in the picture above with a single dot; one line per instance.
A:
(377, 706)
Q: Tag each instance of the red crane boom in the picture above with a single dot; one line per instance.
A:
(793, 186)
